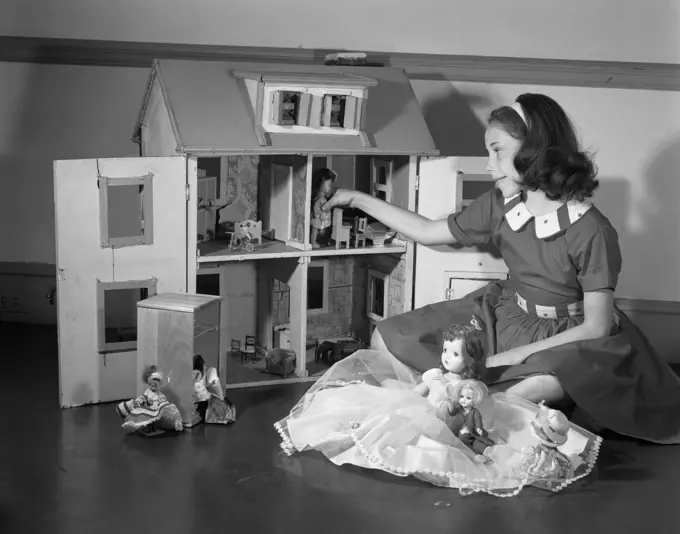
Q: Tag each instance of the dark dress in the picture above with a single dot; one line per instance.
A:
(620, 381)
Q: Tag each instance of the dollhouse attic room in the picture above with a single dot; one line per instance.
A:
(219, 204)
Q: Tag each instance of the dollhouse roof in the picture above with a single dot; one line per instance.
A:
(211, 111)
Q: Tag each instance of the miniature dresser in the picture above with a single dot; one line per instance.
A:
(171, 329)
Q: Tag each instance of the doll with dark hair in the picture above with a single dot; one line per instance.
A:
(210, 404)
(322, 181)
(462, 358)
(554, 331)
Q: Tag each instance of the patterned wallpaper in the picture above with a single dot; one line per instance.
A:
(241, 184)
(299, 188)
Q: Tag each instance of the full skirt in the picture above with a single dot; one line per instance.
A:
(620, 381)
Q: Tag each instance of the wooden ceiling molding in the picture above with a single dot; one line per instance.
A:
(482, 69)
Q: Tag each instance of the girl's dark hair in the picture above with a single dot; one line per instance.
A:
(321, 175)
(199, 363)
(549, 158)
(473, 344)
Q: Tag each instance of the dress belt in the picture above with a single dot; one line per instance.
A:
(574, 309)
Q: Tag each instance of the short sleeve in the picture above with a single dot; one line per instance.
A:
(430, 375)
(597, 257)
(475, 224)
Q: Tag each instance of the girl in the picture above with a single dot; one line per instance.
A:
(553, 331)
(372, 411)
(322, 181)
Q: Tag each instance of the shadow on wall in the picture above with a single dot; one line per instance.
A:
(648, 220)
(55, 112)
(454, 127)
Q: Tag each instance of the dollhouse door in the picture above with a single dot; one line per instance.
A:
(448, 185)
(123, 233)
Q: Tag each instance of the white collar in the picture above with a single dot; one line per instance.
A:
(518, 215)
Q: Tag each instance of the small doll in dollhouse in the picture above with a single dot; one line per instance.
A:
(322, 182)
(151, 413)
(373, 411)
(210, 404)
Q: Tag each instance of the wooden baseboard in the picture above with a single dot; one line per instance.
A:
(483, 69)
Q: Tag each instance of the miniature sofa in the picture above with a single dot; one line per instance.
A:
(280, 362)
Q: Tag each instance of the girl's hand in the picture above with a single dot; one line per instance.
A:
(341, 197)
(509, 357)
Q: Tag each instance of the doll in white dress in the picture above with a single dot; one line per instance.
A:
(151, 413)
(462, 359)
(373, 411)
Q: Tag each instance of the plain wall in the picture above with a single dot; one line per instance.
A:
(50, 112)
(614, 30)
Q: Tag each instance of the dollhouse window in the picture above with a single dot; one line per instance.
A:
(377, 295)
(339, 111)
(317, 287)
(286, 107)
(126, 211)
(117, 313)
(381, 179)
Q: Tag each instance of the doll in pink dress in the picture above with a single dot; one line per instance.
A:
(322, 181)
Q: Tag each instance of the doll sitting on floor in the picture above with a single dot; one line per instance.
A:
(150, 413)
(466, 422)
(545, 460)
(210, 403)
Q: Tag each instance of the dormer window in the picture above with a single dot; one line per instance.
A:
(307, 103)
(286, 108)
(334, 110)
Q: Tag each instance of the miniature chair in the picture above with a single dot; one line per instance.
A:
(249, 349)
(340, 233)
(236, 347)
(360, 231)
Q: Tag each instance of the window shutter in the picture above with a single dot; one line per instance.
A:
(304, 109)
(349, 120)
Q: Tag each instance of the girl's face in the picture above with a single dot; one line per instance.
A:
(326, 186)
(467, 397)
(154, 385)
(502, 148)
(453, 356)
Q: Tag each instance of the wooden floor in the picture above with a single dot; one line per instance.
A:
(75, 471)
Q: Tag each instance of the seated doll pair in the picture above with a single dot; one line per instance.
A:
(455, 391)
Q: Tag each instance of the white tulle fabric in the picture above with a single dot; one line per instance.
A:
(363, 411)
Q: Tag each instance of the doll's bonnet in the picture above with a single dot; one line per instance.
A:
(551, 426)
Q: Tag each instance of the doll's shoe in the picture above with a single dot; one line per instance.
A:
(480, 458)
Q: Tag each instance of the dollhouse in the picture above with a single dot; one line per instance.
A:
(219, 203)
